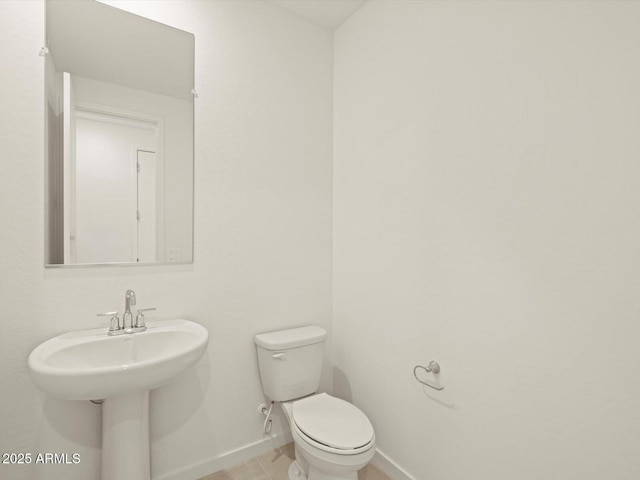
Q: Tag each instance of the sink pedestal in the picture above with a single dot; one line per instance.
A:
(125, 437)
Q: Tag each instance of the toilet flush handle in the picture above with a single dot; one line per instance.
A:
(280, 356)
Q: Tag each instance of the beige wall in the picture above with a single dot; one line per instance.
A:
(262, 235)
(487, 216)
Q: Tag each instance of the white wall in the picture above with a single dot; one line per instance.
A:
(262, 234)
(487, 216)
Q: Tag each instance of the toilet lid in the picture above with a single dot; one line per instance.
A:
(332, 422)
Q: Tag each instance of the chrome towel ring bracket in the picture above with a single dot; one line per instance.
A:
(434, 368)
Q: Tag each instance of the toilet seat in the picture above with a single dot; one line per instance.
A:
(332, 424)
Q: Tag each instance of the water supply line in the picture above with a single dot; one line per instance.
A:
(268, 420)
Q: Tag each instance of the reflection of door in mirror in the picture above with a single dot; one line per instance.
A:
(115, 193)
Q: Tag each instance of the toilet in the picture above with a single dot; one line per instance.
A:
(333, 439)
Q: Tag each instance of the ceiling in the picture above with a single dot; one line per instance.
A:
(329, 14)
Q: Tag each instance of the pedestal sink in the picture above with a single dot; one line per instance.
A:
(90, 365)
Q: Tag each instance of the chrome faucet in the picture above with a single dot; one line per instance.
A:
(128, 326)
(129, 299)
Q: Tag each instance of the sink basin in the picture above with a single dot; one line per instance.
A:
(89, 364)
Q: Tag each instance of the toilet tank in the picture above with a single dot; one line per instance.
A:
(290, 362)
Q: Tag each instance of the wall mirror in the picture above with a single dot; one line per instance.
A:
(119, 137)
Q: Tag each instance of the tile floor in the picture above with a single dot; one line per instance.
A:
(274, 466)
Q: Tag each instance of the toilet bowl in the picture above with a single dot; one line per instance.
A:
(333, 439)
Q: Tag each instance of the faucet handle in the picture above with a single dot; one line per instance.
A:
(114, 324)
(140, 316)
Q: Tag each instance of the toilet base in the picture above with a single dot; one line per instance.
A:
(296, 473)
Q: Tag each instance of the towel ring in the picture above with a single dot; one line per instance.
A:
(433, 367)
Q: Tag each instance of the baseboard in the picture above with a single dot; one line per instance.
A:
(247, 452)
(227, 459)
(391, 468)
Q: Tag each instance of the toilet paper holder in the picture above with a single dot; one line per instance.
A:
(433, 367)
